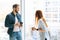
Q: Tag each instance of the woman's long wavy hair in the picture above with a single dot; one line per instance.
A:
(39, 15)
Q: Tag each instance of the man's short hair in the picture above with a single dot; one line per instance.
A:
(15, 5)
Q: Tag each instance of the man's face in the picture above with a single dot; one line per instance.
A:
(17, 9)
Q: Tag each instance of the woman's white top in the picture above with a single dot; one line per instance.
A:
(42, 25)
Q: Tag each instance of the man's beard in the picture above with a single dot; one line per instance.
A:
(16, 11)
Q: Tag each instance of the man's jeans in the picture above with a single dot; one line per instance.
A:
(16, 36)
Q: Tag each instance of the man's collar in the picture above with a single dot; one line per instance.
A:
(13, 14)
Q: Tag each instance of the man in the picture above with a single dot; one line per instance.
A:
(14, 23)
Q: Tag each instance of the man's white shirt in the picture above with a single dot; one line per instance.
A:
(16, 28)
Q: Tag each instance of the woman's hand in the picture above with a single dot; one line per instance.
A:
(33, 28)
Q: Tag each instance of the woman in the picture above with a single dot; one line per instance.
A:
(42, 25)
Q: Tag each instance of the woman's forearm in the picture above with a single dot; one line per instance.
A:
(42, 31)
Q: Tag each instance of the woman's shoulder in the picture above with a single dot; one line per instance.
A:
(40, 20)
